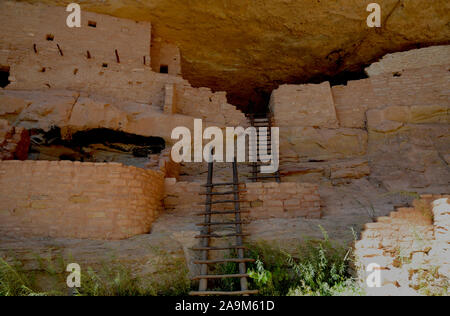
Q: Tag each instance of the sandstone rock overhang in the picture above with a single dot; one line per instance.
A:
(248, 48)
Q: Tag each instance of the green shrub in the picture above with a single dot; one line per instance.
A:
(262, 278)
(320, 268)
(111, 279)
(13, 282)
(117, 280)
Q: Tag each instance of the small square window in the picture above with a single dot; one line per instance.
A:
(50, 37)
(92, 23)
(164, 69)
(105, 65)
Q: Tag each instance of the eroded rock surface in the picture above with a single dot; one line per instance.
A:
(14, 142)
(248, 48)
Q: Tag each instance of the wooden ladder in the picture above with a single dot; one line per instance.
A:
(262, 120)
(207, 233)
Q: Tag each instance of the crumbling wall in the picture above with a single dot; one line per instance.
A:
(41, 31)
(77, 111)
(440, 251)
(261, 200)
(182, 196)
(203, 103)
(78, 200)
(110, 60)
(309, 105)
(312, 142)
(43, 52)
(283, 200)
(14, 142)
(392, 114)
(405, 244)
(164, 163)
(412, 121)
(414, 58)
(165, 57)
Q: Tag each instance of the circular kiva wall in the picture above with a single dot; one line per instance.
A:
(78, 200)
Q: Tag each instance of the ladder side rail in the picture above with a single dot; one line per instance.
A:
(203, 284)
(241, 254)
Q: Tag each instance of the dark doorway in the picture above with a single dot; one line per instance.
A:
(95, 145)
(164, 69)
(4, 76)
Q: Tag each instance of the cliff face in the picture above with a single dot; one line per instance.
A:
(248, 48)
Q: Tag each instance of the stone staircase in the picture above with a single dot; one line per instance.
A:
(408, 241)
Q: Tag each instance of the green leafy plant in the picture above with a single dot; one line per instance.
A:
(110, 279)
(262, 278)
(13, 282)
(320, 267)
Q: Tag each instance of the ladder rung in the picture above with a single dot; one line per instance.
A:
(223, 223)
(223, 201)
(264, 177)
(220, 184)
(260, 144)
(222, 212)
(220, 276)
(221, 236)
(200, 293)
(237, 260)
(223, 193)
(219, 248)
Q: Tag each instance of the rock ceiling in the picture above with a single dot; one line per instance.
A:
(248, 48)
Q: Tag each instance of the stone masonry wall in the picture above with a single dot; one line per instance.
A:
(415, 58)
(164, 163)
(263, 200)
(183, 196)
(440, 251)
(371, 122)
(283, 200)
(77, 200)
(165, 54)
(408, 242)
(42, 53)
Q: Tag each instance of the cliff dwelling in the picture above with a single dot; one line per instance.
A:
(357, 118)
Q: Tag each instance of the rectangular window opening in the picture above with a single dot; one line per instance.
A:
(50, 37)
(164, 69)
(4, 76)
(92, 23)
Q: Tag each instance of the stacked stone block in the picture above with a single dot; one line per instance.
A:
(282, 200)
(78, 200)
(408, 241)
